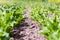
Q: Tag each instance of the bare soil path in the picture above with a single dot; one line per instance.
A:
(26, 30)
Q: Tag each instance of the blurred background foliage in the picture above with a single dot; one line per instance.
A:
(10, 2)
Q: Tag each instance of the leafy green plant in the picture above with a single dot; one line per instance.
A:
(49, 18)
(9, 16)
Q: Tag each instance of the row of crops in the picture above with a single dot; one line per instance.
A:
(47, 14)
(9, 16)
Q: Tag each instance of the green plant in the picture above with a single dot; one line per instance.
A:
(9, 16)
(49, 18)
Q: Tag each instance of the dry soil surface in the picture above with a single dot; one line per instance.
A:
(26, 30)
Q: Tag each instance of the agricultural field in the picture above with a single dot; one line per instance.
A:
(16, 17)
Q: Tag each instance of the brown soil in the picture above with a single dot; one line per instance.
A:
(26, 30)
